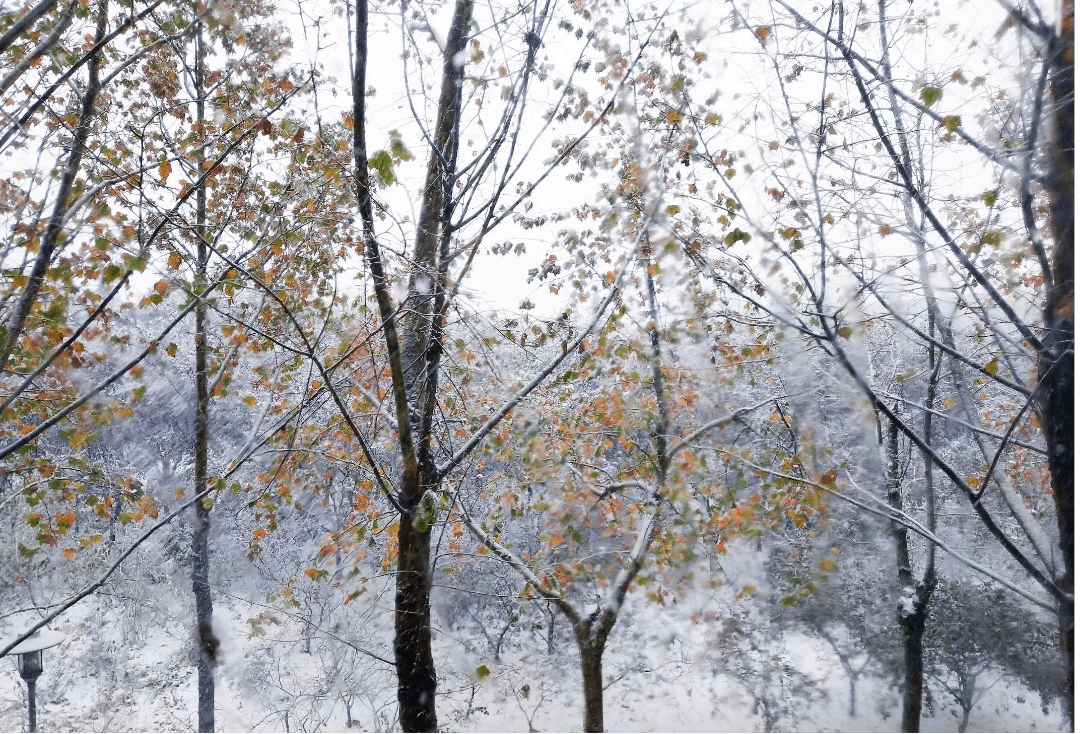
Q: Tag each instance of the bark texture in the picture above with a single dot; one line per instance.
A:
(205, 641)
(414, 362)
(51, 240)
(420, 353)
(1056, 364)
(591, 634)
(412, 627)
(914, 604)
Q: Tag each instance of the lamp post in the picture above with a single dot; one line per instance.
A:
(30, 664)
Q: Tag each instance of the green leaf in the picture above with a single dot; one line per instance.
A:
(397, 147)
(930, 95)
(990, 197)
(382, 163)
(736, 235)
(950, 122)
(481, 672)
(112, 272)
(844, 331)
(27, 552)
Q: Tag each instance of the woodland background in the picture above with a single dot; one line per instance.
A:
(514, 365)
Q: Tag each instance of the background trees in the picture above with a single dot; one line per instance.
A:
(772, 280)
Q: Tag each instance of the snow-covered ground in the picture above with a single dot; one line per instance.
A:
(670, 668)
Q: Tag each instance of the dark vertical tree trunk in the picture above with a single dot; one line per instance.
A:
(421, 352)
(1055, 390)
(593, 679)
(912, 627)
(591, 650)
(9, 333)
(412, 627)
(913, 607)
(206, 642)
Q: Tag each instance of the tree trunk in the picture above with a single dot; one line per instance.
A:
(914, 597)
(1055, 389)
(420, 354)
(592, 651)
(851, 696)
(412, 628)
(912, 627)
(205, 641)
(9, 333)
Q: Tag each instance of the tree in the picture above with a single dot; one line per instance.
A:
(414, 334)
(840, 103)
(138, 223)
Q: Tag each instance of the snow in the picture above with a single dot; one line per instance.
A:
(906, 602)
(667, 668)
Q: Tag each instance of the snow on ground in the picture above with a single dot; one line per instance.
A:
(128, 666)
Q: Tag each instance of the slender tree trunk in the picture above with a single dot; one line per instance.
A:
(914, 597)
(1055, 389)
(912, 628)
(421, 352)
(206, 642)
(10, 332)
(851, 696)
(412, 627)
(964, 717)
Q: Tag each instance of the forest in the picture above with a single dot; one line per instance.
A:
(521, 365)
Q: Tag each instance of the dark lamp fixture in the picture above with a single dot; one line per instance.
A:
(30, 664)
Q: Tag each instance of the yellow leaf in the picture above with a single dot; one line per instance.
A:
(164, 170)
(992, 367)
(175, 260)
(673, 116)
